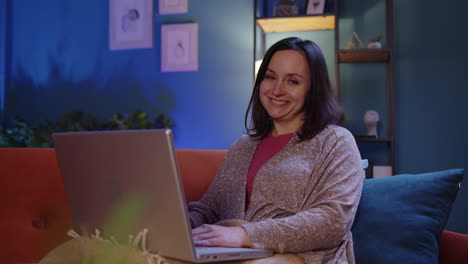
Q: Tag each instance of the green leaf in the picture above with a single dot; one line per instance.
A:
(21, 134)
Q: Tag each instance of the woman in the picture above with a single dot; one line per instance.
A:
(296, 177)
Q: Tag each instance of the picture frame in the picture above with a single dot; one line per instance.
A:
(179, 47)
(173, 7)
(315, 7)
(130, 24)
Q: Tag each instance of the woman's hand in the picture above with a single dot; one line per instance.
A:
(220, 236)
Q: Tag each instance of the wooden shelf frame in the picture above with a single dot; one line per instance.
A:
(372, 139)
(364, 55)
(373, 56)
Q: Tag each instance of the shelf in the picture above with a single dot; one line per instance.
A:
(296, 23)
(371, 139)
(364, 55)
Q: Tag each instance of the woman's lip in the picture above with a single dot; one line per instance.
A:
(278, 102)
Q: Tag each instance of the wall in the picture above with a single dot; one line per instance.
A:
(3, 34)
(431, 82)
(60, 60)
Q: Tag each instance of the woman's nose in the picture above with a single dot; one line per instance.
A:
(278, 89)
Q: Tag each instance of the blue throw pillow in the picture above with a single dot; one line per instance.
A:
(400, 218)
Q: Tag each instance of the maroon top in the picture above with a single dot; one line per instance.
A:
(266, 149)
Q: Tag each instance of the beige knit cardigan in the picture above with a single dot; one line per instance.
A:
(304, 199)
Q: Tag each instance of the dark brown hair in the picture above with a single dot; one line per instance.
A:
(320, 106)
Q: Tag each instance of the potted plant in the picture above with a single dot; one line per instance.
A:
(374, 43)
(21, 134)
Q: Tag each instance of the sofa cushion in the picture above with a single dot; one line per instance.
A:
(35, 214)
(198, 167)
(400, 218)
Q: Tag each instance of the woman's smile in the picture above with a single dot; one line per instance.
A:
(278, 101)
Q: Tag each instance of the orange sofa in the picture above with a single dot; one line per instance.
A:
(35, 216)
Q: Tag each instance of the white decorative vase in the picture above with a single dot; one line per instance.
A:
(371, 118)
(374, 45)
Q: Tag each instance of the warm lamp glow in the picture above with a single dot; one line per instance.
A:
(257, 66)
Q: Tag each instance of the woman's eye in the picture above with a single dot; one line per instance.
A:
(269, 77)
(294, 82)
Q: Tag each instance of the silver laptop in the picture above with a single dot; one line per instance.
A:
(122, 182)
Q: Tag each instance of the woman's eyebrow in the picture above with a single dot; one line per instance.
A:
(292, 74)
(296, 75)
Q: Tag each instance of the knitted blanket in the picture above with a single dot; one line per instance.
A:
(95, 249)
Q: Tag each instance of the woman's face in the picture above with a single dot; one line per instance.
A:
(283, 90)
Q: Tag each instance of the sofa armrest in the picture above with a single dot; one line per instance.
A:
(453, 248)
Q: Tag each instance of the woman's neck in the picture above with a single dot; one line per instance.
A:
(280, 128)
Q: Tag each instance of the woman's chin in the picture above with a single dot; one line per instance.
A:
(278, 118)
(278, 113)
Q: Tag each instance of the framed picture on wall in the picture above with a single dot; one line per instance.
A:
(173, 6)
(315, 7)
(179, 47)
(130, 24)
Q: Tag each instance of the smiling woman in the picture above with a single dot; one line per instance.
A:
(292, 184)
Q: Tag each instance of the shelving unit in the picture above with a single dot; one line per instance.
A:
(330, 21)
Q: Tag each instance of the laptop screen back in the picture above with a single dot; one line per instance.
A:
(122, 182)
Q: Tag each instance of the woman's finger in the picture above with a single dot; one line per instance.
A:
(205, 236)
(201, 230)
(212, 242)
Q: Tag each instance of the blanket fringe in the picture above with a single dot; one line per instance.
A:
(138, 241)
